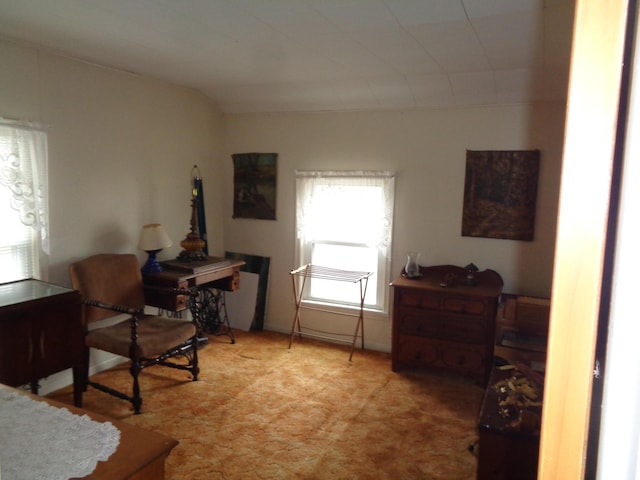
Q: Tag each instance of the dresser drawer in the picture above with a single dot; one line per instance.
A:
(415, 322)
(432, 301)
(456, 328)
(467, 306)
(418, 299)
(463, 358)
(414, 352)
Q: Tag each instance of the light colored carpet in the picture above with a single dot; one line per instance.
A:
(263, 411)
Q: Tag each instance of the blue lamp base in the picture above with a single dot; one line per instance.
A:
(152, 265)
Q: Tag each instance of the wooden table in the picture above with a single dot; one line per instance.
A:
(41, 333)
(140, 455)
(214, 273)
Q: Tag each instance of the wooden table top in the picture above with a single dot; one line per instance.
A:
(137, 452)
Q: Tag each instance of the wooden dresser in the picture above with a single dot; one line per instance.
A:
(441, 322)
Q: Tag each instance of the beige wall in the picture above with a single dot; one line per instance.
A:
(121, 148)
(426, 148)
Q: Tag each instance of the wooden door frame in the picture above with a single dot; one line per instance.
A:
(590, 137)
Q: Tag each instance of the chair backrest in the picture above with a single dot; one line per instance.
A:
(109, 278)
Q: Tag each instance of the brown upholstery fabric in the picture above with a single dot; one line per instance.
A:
(116, 279)
(156, 335)
(108, 278)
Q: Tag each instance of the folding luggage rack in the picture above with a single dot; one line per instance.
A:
(326, 273)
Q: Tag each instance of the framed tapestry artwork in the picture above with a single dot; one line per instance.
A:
(254, 185)
(500, 190)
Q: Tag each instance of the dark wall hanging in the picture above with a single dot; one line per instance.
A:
(254, 185)
(500, 192)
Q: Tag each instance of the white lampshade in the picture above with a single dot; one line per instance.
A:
(153, 237)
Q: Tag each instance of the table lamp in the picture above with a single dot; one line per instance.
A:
(153, 238)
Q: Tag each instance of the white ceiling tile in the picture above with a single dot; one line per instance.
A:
(454, 46)
(488, 8)
(344, 51)
(419, 12)
(473, 88)
(354, 93)
(514, 86)
(430, 89)
(511, 41)
(391, 92)
(266, 55)
(358, 15)
(398, 49)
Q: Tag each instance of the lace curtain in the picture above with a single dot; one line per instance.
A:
(24, 171)
(345, 202)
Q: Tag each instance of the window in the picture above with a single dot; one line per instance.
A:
(344, 220)
(24, 237)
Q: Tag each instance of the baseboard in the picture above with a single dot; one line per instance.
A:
(63, 379)
(369, 345)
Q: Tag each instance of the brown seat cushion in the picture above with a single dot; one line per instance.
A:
(156, 336)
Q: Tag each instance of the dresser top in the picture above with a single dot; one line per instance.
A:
(21, 291)
(451, 279)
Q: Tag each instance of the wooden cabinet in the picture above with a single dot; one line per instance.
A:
(440, 321)
(41, 332)
(509, 438)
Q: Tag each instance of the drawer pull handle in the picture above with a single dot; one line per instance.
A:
(42, 355)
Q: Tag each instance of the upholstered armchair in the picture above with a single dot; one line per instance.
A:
(111, 287)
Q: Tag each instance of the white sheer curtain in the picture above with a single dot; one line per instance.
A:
(344, 205)
(24, 200)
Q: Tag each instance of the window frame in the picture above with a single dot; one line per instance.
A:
(304, 246)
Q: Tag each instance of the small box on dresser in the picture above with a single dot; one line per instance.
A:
(441, 322)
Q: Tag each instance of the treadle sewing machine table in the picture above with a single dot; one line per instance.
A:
(315, 271)
(212, 277)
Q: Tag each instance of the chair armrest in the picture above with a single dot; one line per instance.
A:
(115, 307)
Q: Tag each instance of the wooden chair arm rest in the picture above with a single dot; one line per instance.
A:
(114, 307)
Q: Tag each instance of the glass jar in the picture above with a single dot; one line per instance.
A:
(412, 267)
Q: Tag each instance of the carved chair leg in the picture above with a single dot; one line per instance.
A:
(84, 370)
(136, 399)
(195, 369)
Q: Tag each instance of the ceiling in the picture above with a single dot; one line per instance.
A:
(317, 55)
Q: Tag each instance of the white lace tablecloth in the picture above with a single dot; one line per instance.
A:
(42, 442)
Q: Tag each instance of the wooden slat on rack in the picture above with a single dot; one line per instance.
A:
(327, 273)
